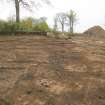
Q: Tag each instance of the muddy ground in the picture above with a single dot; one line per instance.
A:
(46, 71)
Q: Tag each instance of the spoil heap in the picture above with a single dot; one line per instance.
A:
(96, 31)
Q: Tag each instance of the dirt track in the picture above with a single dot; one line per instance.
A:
(46, 71)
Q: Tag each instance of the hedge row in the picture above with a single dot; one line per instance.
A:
(23, 33)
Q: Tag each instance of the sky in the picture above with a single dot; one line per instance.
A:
(89, 12)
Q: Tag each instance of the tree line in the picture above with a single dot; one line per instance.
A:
(65, 19)
(61, 19)
(27, 24)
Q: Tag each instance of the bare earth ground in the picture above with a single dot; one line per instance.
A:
(46, 71)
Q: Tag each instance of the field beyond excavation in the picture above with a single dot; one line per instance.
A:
(46, 71)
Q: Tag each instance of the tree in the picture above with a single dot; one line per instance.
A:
(62, 19)
(55, 24)
(17, 7)
(26, 4)
(72, 17)
(42, 19)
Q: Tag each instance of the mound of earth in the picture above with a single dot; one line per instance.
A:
(95, 31)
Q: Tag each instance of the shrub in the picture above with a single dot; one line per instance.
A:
(24, 25)
(41, 27)
(8, 26)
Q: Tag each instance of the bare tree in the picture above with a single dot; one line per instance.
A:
(27, 4)
(61, 18)
(55, 24)
(72, 17)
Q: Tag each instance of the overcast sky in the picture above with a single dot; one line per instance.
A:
(89, 12)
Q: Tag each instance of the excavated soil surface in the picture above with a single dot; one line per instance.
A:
(46, 71)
